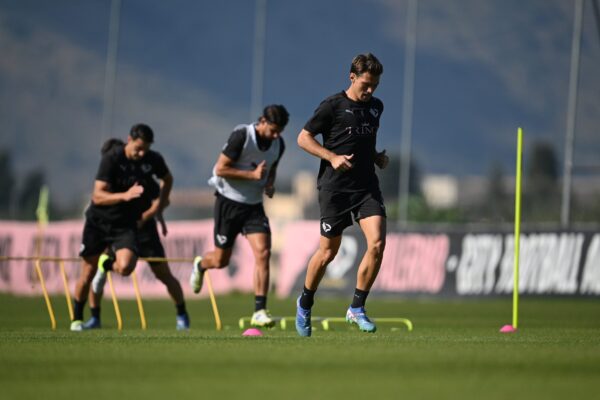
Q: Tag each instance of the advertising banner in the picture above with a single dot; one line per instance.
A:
(63, 239)
(451, 264)
(459, 263)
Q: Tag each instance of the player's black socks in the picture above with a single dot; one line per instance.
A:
(181, 309)
(260, 303)
(78, 310)
(95, 312)
(359, 299)
(307, 298)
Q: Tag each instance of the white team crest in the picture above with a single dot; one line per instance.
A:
(326, 227)
(222, 239)
(374, 112)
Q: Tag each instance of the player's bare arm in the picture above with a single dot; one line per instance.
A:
(308, 143)
(270, 185)
(225, 169)
(102, 197)
(166, 184)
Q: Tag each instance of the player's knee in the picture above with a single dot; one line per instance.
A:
(327, 255)
(263, 254)
(87, 276)
(124, 268)
(376, 248)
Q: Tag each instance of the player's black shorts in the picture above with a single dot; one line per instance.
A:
(337, 209)
(98, 235)
(232, 218)
(149, 243)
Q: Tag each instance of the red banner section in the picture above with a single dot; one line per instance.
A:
(424, 263)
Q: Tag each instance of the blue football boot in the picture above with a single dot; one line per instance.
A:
(92, 323)
(183, 322)
(303, 326)
(359, 317)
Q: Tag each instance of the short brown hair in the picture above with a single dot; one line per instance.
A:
(366, 63)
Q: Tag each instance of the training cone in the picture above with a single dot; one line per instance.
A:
(252, 332)
(508, 329)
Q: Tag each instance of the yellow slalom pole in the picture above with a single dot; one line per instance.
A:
(138, 297)
(115, 302)
(213, 301)
(517, 229)
(38, 269)
(66, 285)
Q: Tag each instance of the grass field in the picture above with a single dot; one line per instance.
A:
(454, 351)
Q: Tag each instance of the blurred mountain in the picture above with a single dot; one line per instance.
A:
(483, 68)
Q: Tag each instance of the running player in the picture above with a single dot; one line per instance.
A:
(116, 206)
(348, 186)
(244, 170)
(149, 245)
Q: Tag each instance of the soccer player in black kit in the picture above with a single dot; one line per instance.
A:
(116, 207)
(348, 186)
(148, 243)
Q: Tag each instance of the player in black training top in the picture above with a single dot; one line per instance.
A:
(149, 245)
(246, 169)
(348, 186)
(116, 207)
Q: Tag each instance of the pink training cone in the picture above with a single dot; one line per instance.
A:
(252, 332)
(508, 329)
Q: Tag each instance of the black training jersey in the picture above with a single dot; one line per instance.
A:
(348, 127)
(121, 173)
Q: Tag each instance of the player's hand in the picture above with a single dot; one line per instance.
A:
(342, 162)
(134, 192)
(260, 171)
(270, 191)
(382, 160)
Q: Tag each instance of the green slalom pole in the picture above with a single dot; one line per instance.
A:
(517, 228)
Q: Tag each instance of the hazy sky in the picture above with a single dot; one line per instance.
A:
(483, 68)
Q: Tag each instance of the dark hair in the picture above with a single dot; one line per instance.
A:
(276, 114)
(142, 131)
(366, 63)
(110, 144)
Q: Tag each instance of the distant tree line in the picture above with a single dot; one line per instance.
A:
(541, 194)
(19, 200)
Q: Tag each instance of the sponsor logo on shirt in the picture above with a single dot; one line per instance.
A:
(146, 168)
(326, 227)
(364, 129)
(374, 112)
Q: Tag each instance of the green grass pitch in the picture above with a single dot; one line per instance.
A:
(454, 352)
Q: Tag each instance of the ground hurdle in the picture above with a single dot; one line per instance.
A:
(60, 260)
(326, 323)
